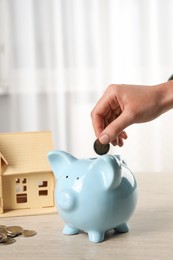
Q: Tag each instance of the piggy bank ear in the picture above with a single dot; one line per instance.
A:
(108, 168)
(59, 160)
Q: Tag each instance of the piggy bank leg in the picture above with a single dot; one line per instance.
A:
(95, 236)
(123, 228)
(70, 230)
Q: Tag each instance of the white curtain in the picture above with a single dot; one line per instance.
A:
(58, 56)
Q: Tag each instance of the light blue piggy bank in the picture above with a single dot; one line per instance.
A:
(93, 195)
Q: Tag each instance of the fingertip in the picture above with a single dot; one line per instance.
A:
(121, 144)
(114, 142)
(124, 135)
(104, 138)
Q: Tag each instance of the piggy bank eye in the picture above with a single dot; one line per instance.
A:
(66, 177)
(77, 178)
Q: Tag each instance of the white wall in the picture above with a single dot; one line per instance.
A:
(58, 56)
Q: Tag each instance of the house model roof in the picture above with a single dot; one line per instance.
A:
(25, 152)
(2, 158)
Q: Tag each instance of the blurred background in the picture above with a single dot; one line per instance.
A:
(58, 56)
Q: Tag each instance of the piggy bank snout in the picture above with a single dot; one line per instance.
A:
(66, 200)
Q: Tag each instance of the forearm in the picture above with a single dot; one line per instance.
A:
(165, 96)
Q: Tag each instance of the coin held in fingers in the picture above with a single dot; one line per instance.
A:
(100, 148)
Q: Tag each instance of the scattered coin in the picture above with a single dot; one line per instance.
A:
(7, 234)
(8, 241)
(2, 227)
(3, 238)
(13, 231)
(29, 233)
(100, 148)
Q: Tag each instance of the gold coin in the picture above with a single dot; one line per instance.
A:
(2, 231)
(29, 233)
(2, 227)
(100, 148)
(14, 230)
(3, 237)
(8, 241)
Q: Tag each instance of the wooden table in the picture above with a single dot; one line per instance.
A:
(150, 236)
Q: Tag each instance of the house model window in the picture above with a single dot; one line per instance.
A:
(43, 188)
(21, 189)
(26, 178)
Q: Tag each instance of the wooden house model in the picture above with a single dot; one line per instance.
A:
(26, 179)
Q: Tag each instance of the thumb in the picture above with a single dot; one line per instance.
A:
(113, 130)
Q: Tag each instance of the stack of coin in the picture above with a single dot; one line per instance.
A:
(14, 231)
(7, 234)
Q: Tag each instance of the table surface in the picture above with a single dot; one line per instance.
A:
(150, 236)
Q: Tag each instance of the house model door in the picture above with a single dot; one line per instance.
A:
(21, 190)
